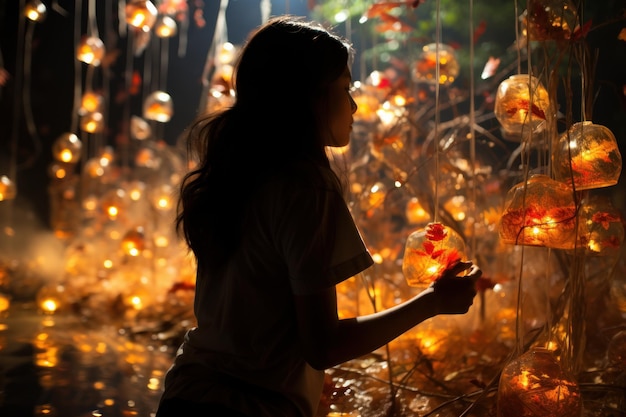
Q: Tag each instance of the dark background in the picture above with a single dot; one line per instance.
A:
(52, 82)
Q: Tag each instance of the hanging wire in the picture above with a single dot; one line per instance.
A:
(17, 97)
(77, 67)
(266, 10)
(437, 109)
(29, 119)
(472, 132)
(220, 36)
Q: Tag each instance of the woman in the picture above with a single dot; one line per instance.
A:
(264, 215)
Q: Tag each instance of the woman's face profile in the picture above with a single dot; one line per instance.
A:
(340, 109)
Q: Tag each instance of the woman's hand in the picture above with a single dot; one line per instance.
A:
(455, 294)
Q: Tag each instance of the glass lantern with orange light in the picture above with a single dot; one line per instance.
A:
(429, 252)
(433, 54)
(540, 212)
(522, 106)
(141, 14)
(535, 384)
(601, 227)
(158, 106)
(550, 20)
(90, 51)
(67, 148)
(8, 190)
(588, 156)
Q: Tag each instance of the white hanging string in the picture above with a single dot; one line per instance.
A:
(220, 36)
(266, 10)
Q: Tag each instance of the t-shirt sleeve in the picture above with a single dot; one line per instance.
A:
(319, 240)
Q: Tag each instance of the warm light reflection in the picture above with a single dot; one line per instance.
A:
(35, 10)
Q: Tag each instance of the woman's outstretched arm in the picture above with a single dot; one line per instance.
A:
(328, 341)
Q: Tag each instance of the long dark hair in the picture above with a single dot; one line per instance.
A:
(282, 74)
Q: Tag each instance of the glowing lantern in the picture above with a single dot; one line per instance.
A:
(50, 298)
(429, 252)
(35, 10)
(535, 385)
(162, 197)
(601, 227)
(165, 27)
(367, 104)
(415, 212)
(95, 168)
(8, 190)
(141, 14)
(59, 170)
(521, 105)
(139, 128)
(158, 106)
(5, 302)
(90, 102)
(227, 54)
(90, 51)
(540, 212)
(67, 148)
(113, 202)
(92, 122)
(134, 242)
(426, 66)
(547, 20)
(588, 155)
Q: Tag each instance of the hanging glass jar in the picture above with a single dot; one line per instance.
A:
(521, 105)
(158, 107)
(601, 227)
(535, 385)
(425, 68)
(540, 212)
(8, 190)
(550, 20)
(429, 251)
(588, 155)
(67, 148)
(90, 51)
(90, 102)
(35, 10)
(141, 14)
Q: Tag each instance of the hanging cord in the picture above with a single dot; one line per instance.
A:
(472, 115)
(437, 110)
(29, 119)
(17, 97)
(220, 36)
(266, 10)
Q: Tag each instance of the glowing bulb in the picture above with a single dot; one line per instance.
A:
(92, 122)
(141, 14)
(90, 51)
(8, 190)
(165, 27)
(90, 102)
(158, 107)
(35, 10)
(67, 148)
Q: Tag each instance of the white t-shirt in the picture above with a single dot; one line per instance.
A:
(245, 351)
